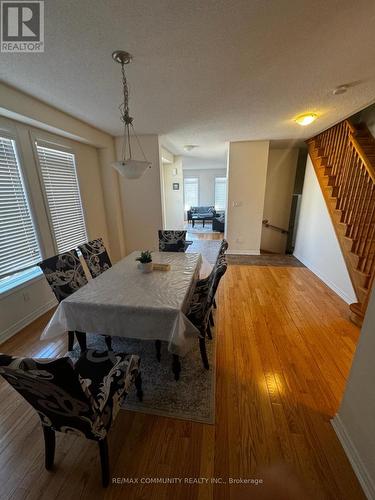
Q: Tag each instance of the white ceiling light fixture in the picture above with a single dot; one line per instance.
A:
(341, 89)
(190, 147)
(127, 166)
(306, 119)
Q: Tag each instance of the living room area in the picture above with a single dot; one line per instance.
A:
(195, 192)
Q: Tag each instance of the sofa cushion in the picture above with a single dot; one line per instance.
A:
(202, 210)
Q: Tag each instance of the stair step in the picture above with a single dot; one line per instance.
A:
(361, 278)
(361, 294)
(354, 259)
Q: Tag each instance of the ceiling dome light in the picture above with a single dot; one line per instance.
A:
(341, 89)
(306, 119)
(190, 147)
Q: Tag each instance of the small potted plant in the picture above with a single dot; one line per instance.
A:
(145, 261)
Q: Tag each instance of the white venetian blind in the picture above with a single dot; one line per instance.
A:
(191, 195)
(19, 248)
(220, 193)
(64, 200)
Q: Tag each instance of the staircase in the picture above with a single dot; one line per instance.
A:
(344, 161)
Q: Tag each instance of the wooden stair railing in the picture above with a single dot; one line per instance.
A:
(344, 161)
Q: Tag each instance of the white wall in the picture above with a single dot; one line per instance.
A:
(316, 243)
(206, 183)
(247, 170)
(141, 198)
(20, 306)
(281, 173)
(173, 199)
(368, 116)
(355, 421)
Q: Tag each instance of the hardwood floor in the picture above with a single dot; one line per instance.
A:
(284, 349)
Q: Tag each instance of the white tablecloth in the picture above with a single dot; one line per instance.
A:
(125, 302)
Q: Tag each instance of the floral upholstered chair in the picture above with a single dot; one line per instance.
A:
(96, 257)
(202, 301)
(65, 275)
(81, 399)
(173, 241)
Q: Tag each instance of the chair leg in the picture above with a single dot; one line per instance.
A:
(70, 341)
(81, 337)
(209, 334)
(158, 349)
(212, 319)
(176, 366)
(104, 461)
(215, 305)
(202, 347)
(138, 385)
(49, 446)
(108, 341)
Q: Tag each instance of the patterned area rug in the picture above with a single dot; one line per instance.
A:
(192, 397)
(273, 260)
(198, 228)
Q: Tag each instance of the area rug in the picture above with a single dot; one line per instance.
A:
(192, 397)
(198, 228)
(272, 260)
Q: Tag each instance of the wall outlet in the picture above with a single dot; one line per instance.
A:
(237, 203)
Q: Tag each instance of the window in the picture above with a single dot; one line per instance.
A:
(220, 193)
(191, 189)
(63, 197)
(19, 247)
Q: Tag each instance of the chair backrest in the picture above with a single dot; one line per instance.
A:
(223, 248)
(172, 241)
(204, 294)
(96, 257)
(64, 273)
(52, 387)
(217, 273)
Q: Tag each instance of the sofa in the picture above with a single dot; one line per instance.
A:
(201, 214)
(218, 223)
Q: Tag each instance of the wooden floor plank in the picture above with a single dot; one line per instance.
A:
(284, 350)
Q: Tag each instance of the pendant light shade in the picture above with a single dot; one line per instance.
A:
(127, 166)
(131, 169)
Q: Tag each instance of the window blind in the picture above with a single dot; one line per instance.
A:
(63, 197)
(220, 193)
(191, 192)
(19, 248)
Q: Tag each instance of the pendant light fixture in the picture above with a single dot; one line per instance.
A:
(127, 166)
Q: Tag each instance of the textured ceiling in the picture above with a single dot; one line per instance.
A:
(204, 72)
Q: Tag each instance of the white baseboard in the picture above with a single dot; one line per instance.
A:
(363, 476)
(333, 286)
(16, 327)
(243, 252)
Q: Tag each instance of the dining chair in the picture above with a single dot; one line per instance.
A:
(65, 275)
(81, 399)
(96, 257)
(202, 302)
(223, 248)
(173, 241)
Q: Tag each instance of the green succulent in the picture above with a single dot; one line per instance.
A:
(145, 257)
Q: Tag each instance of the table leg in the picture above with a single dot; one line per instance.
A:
(176, 366)
(81, 337)
(158, 349)
(203, 222)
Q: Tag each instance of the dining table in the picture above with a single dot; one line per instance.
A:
(126, 302)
